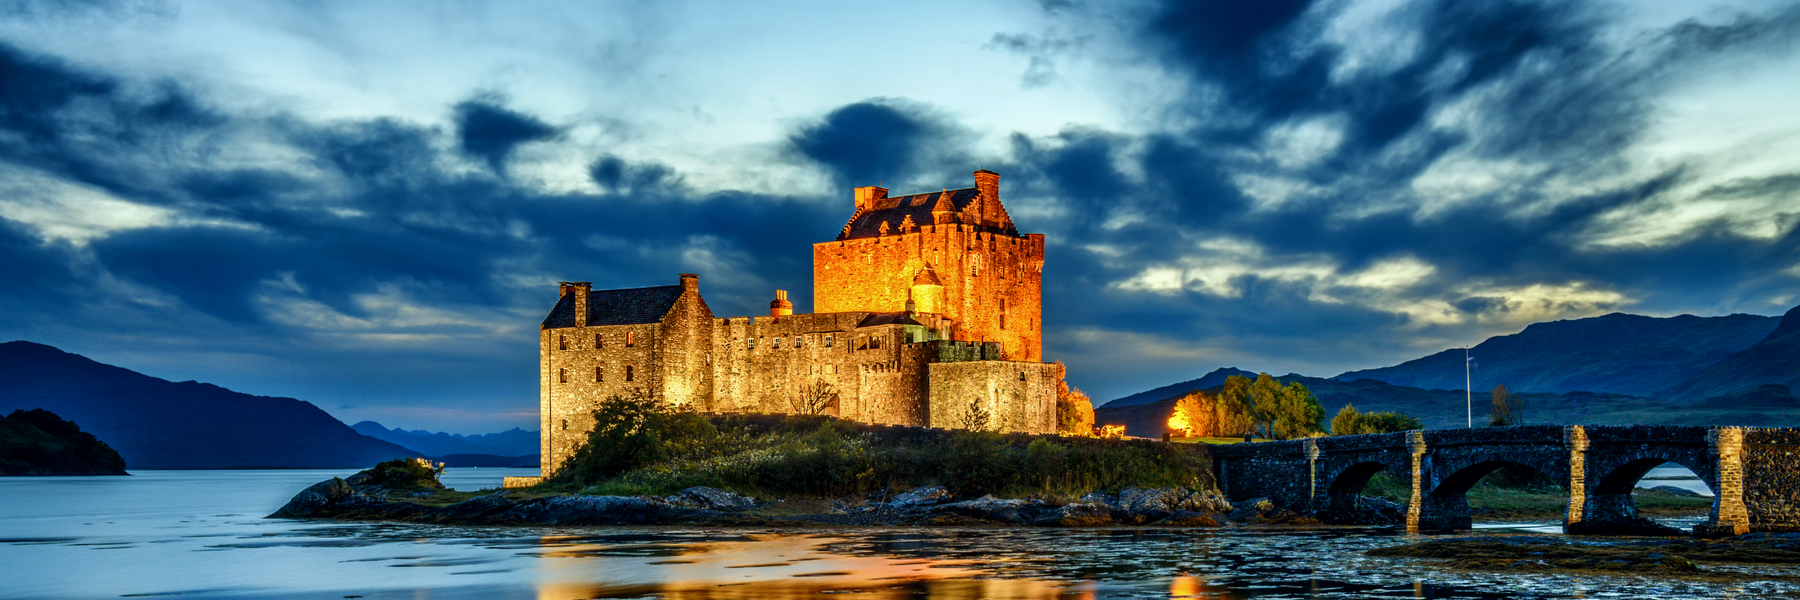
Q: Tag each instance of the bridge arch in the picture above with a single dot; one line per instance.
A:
(1344, 491)
(1607, 505)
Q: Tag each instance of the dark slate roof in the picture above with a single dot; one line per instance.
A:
(635, 306)
(892, 318)
(894, 211)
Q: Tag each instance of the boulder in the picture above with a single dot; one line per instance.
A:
(321, 498)
(1254, 508)
(1078, 514)
(707, 498)
(1188, 518)
(991, 509)
(921, 496)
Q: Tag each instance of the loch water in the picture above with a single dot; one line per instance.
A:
(201, 534)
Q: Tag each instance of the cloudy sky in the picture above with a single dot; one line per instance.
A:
(368, 204)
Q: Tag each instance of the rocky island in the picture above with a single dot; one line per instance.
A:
(37, 442)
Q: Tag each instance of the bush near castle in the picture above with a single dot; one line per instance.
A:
(642, 446)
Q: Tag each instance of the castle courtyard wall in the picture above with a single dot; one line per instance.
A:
(1019, 396)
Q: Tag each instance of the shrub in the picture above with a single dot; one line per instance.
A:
(405, 474)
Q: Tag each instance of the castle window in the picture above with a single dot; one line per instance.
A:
(562, 342)
(565, 424)
(828, 341)
(874, 342)
(562, 375)
(628, 372)
(1021, 375)
(799, 342)
(777, 343)
(1003, 313)
(751, 342)
(598, 375)
(599, 343)
(630, 339)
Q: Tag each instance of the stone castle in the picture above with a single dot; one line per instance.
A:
(928, 305)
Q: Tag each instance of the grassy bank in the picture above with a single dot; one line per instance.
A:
(641, 449)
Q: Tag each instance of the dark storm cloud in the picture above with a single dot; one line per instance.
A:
(881, 140)
(489, 131)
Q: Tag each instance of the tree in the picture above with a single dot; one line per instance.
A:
(1232, 413)
(1074, 411)
(1350, 422)
(1508, 409)
(1284, 412)
(1347, 422)
(976, 417)
(814, 398)
(1193, 416)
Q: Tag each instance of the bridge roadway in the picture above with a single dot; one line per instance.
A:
(1754, 473)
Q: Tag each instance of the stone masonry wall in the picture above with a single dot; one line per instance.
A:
(1020, 396)
(993, 283)
(569, 390)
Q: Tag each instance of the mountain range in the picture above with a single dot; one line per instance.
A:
(511, 448)
(1612, 369)
(159, 424)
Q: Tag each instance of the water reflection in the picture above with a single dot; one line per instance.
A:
(200, 534)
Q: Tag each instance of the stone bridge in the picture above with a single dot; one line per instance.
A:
(1754, 473)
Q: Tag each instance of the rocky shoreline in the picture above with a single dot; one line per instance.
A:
(359, 498)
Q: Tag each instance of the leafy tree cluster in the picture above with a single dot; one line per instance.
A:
(1351, 422)
(641, 446)
(406, 473)
(1074, 411)
(37, 442)
(1262, 406)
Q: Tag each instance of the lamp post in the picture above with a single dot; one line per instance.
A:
(1468, 392)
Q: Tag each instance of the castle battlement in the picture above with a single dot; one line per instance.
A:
(925, 305)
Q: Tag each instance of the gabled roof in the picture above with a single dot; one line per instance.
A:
(894, 211)
(634, 306)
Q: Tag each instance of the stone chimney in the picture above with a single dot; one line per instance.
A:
(780, 307)
(988, 183)
(690, 282)
(580, 290)
(866, 197)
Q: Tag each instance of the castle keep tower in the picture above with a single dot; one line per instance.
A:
(956, 251)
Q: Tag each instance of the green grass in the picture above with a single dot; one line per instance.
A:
(798, 456)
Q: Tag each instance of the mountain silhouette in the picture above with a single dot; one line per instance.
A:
(509, 443)
(159, 424)
(1773, 361)
(1616, 353)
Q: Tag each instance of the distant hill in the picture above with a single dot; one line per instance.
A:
(1616, 353)
(158, 424)
(1773, 360)
(1767, 406)
(1209, 380)
(510, 443)
(37, 442)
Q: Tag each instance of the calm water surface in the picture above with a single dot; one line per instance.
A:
(201, 534)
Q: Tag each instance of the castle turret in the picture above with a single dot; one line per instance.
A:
(780, 307)
(927, 292)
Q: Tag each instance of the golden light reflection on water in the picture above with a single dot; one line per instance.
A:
(769, 566)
